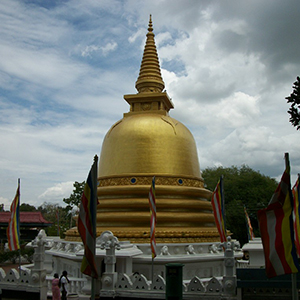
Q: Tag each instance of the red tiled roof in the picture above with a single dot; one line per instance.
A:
(34, 217)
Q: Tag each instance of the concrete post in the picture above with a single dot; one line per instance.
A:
(110, 243)
(229, 280)
(38, 272)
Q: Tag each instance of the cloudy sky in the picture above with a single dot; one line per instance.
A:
(65, 66)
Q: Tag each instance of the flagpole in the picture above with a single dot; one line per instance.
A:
(294, 286)
(95, 223)
(93, 289)
(218, 203)
(152, 270)
(58, 233)
(293, 275)
(152, 204)
(19, 229)
(223, 204)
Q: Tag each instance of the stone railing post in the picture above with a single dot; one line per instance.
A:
(229, 279)
(38, 272)
(110, 243)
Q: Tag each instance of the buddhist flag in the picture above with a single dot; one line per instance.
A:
(153, 217)
(277, 230)
(218, 205)
(296, 213)
(13, 229)
(87, 222)
(249, 226)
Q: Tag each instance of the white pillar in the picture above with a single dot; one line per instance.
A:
(229, 280)
(38, 272)
(109, 242)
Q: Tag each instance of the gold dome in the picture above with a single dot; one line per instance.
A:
(152, 144)
(147, 142)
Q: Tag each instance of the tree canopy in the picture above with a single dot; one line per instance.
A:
(75, 197)
(27, 207)
(294, 99)
(60, 217)
(242, 187)
(54, 212)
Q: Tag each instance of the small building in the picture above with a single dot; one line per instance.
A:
(30, 224)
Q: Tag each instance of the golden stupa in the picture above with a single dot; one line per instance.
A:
(147, 142)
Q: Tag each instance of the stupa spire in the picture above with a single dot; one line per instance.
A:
(150, 79)
(144, 143)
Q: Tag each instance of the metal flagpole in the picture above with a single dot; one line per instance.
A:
(95, 225)
(93, 289)
(223, 206)
(19, 228)
(294, 286)
(293, 275)
(58, 233)
(152, 275)
(152, 224)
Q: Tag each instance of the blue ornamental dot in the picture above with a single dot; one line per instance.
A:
(133, 180)
(180, 181)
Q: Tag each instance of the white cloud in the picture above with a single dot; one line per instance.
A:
(109, 47)
(94, 48)
(89, 49)
(43, 68)
(57, 192)
(138, 34)
(236, 111)
(65, 68)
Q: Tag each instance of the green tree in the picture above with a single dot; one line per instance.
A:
(27, 207)
(242, 187)
(294, 99)
(75, 197)
(66, 214)
(50, 212)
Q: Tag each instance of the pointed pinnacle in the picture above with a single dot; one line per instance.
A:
(150, 79)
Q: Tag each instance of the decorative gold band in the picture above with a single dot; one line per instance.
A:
(165, 236)
(146, 180)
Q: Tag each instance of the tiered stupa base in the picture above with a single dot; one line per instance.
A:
(184, 214)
